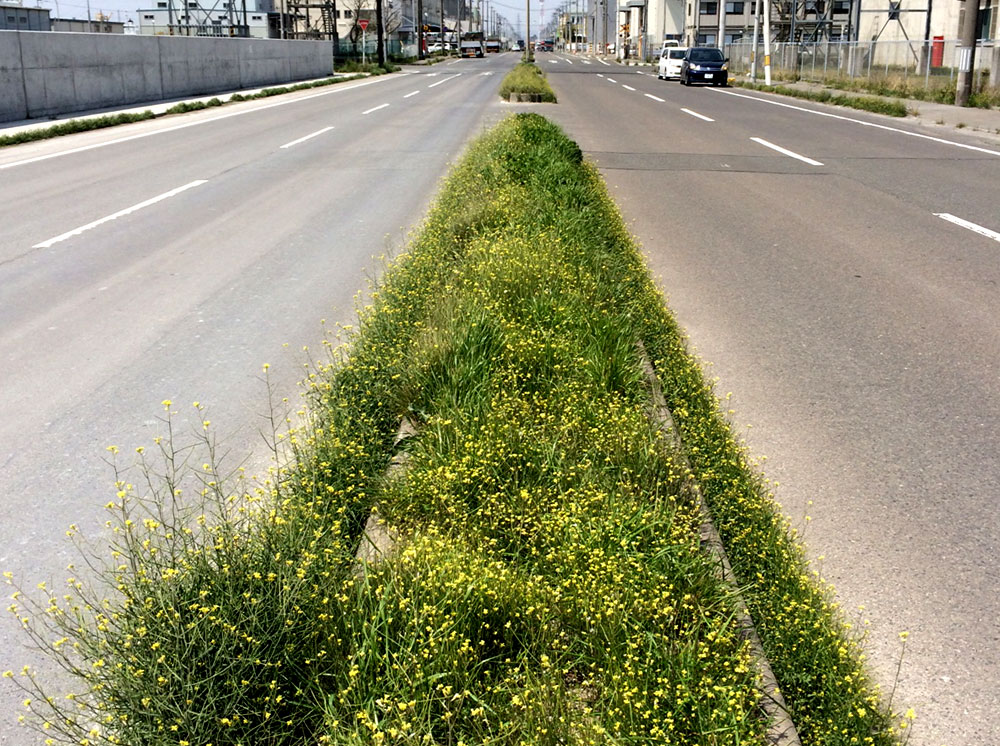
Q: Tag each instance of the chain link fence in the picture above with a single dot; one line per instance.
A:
(904, 65)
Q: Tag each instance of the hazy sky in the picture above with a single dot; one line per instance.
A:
(125, 9)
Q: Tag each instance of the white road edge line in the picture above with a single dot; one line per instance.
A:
(374, 108)
(194, 123)
(967, 224)
(119, 214)
(444, 80)
(862, 122)
(655, 98)
(627, 87)
(785, 151)
(700, 116)
(307, 137)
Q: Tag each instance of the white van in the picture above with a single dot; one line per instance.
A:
(669, 65)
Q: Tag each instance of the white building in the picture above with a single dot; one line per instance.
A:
(192, 18)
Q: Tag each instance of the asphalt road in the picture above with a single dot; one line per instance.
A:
(171, 259)
(859, 333)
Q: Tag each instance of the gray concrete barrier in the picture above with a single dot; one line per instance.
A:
(49, 73)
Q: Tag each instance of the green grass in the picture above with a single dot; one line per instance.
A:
(893, 108)
(548, 586)
(83, 125)
(527, 79)
(74, 125)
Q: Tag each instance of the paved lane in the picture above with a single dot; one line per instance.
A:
(289, 201)
(859, 334)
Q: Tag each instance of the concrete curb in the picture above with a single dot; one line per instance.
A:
(781, 730)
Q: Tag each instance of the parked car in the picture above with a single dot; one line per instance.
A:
(705, 65)
(669, 66)
(437, 47)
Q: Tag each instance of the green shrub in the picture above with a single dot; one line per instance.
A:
(527, 80)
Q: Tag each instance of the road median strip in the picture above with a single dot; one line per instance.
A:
(547, 580)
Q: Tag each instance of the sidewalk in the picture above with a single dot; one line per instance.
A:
(985, 122)
(157, 107)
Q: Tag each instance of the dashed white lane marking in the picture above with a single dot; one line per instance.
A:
(611, 80)
(488, 72)
(856, 121)
(374, 108)
(969, 225)
(585, 62)
(455, 62)
(119, 214)
(411, 93)
(600, 75)
(655, 98)
(605, 63)
(307, 137)
(696, 114)
(569, 61)
(627, 87)
(444, 80)
(194, 123)
(785, 151)
(554, 62)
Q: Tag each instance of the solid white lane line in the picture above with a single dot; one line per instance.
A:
(307, 137)
(411, 93)
(785, 151)
(627, 87)
(856, 121)
(339, 88)
(971, 226)
(611, 80)
(444, 80)
(655, 98)
(119, 214)
(696, 114)
(375, 108)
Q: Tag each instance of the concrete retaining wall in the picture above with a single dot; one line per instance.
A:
(48, 73)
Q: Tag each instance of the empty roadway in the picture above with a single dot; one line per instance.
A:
(170, 259)
(801, 248)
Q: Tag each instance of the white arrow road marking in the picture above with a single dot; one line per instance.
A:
(119, 214)
(785, 151)
(307, 137)
(702, 116)
(971, 226)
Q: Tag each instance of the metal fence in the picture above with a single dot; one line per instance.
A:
(929, 65)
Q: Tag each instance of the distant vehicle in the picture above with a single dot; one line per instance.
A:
(670, 62)
(472, 48)
(515, 47)
(705, 65)
(492, 45)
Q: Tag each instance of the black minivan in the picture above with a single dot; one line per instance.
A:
(704, 65)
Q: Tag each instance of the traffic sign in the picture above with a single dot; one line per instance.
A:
(363, 23)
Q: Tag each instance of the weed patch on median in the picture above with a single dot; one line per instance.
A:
(548, 585)
(527, 82)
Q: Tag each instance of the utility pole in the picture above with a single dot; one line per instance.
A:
(756, 40)
(767, 42)
(721, 40)
(529, 52)
(380, 32)
(420, 29)
(967, 53)
(441, 29)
